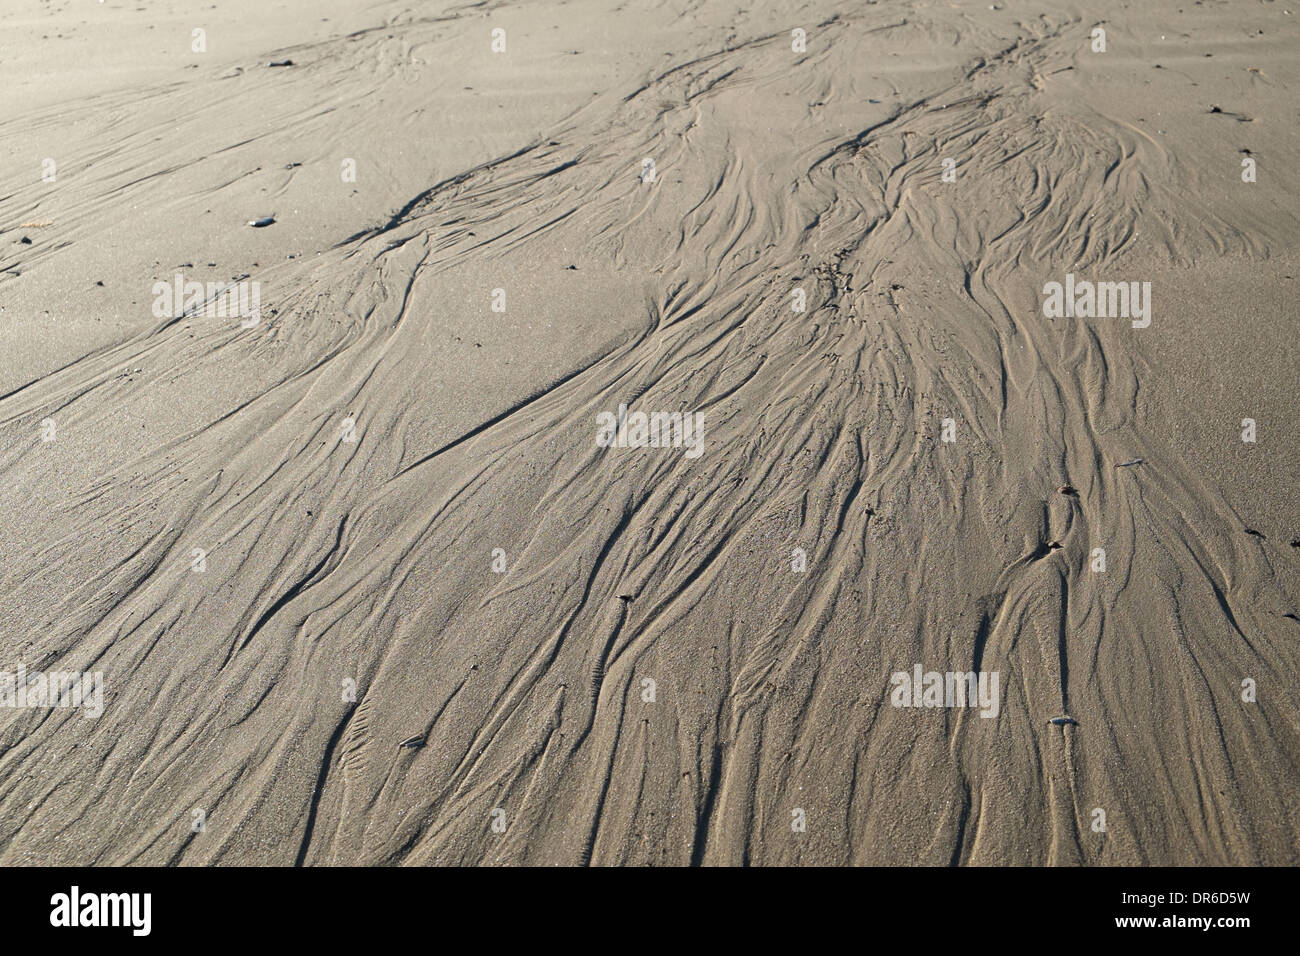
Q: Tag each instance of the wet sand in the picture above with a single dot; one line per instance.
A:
(366, 585)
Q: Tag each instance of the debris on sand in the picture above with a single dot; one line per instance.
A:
(714, 415)
(280, 63)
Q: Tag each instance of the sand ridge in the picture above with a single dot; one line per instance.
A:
(431, 599)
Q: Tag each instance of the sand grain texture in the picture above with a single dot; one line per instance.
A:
(331, 559)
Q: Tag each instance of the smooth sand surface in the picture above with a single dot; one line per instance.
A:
(362, 584)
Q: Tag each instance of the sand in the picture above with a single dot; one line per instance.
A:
(366, 584)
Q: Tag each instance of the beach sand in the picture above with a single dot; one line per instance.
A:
(366, 585)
